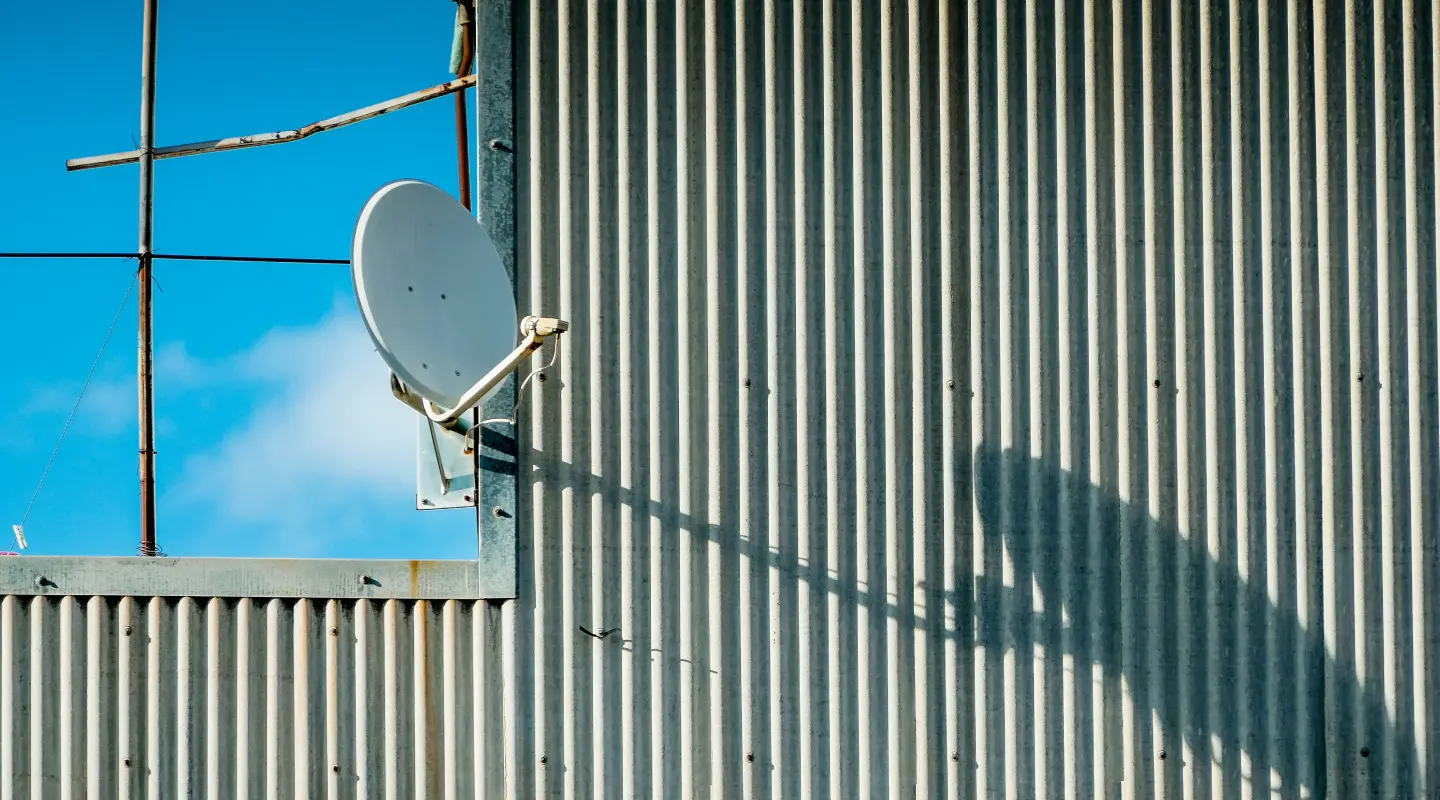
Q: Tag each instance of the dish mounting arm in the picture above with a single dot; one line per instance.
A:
(535, 329)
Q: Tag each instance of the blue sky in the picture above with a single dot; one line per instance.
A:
(250, 357)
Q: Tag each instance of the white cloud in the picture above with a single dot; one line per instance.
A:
(110, 405)
(178, 368)
(327, 444)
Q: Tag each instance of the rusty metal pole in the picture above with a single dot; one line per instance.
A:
(462, 140)
(462, 126)
(148, 546)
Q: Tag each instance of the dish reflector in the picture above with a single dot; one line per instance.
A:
(432, 289)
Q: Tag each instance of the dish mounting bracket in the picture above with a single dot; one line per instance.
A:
(448, 477)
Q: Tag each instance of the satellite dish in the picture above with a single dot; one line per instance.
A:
(440, 308)
(432, 289)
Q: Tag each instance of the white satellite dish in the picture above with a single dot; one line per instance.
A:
(440, 308)
(432, 290)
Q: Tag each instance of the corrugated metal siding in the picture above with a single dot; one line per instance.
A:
(979, 399)
(199, 697)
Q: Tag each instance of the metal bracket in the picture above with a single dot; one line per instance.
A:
(445, 438)
(446, 476)
(536, 330)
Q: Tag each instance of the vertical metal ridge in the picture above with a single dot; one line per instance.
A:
(897, 497)
(243, 701)
(1188, 438)
(839, 641)
(660, 234)
(1009, 273)
(155, 759)
(954, 323)
(1244, 581)
(1425, 564)
(40, 707)
(1156, 733)
(571, 256)
(869, 569)
(219, 659)
(493, 770)
(345, 717)
(1302, 282)
(727, 549)
(1387, 377)
(792, 630)
(184, 743)
(599, 723)
(276, 759)
(658, 632)
(981, 313)
(1358, 446)
(925, 698)
(419, 691)
(752, 473)
(686, 182)
(131, 741)
(801, 423)
(67, 683)
(367, 781)
(472, 736)
(7, 695)
(1420, 353)
(1033, 452)
(1213, 712)
(1241, 583)
(1334, 516)
(332, 702)
(1096, 257)
(604, 393)
(1032, 585)
(811, 419)
(1423, 316)
(783, 729)
(607, 408)
(630, 508)
(96, 772)
(542, 145)
(630, 172)
(389, 644)
(691, 237)
(1068, 318)
(214, 685)
(1273, 255)
(721, 622)
(489, 765)
(1129, 409)
(302, 739)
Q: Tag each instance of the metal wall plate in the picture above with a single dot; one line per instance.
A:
(321, 578)
(445, 473)
(496, 152)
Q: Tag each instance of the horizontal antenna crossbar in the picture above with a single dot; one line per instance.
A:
(278, 137)
(178, 257)
(254, 259)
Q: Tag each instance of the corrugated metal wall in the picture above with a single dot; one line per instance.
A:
(199, 697)
(979, 399)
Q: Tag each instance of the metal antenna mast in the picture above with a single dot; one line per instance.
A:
(148, 547)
